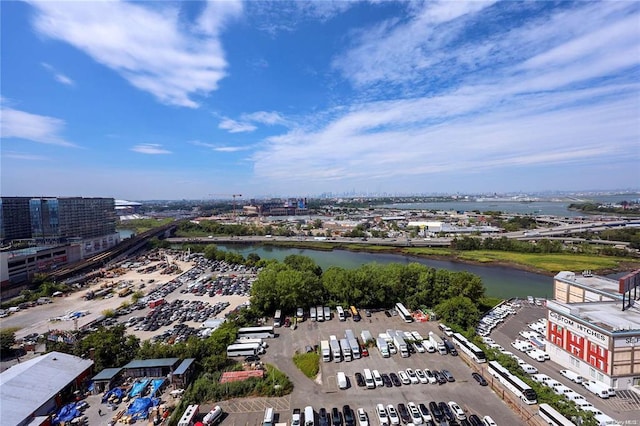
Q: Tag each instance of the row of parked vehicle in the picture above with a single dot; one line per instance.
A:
(497, 315)
(429, 414)
(372, 379)
(441, 412)
(579, 400)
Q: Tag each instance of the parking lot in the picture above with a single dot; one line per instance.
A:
(325, 392)
(623, 407)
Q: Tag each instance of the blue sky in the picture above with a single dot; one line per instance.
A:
(160, 100)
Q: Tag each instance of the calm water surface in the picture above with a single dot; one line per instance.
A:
(499, 281)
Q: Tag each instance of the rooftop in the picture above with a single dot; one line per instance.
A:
(608, 316)
(150, 363)
(604, 285)
(23, 390)
(107, 374)
(184, 365)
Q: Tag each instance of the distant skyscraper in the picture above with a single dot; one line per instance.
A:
(57, 218)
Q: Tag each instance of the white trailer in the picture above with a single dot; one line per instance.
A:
(383, 347)
(353, 342)
(366, 336)
(326, 350)
(401, 345)
(346, 350)
(335, 349)
(438, 343)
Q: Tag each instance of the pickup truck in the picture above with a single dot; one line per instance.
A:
(296, 418)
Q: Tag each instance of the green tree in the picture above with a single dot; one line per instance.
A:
(458, 310)
(111, 347)
(7, 338)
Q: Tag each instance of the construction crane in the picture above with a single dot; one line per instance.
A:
(234, 200)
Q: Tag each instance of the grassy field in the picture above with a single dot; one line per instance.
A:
(554, 262)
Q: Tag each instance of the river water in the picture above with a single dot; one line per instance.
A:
(499, 281)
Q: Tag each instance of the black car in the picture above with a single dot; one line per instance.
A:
(395, 379)
(475, 420)
(435, 410)
(347, 412)
(360, 379)
(440, 377)
(447, 411)
(481, 380)
(447, 374)
(424, 411)
(387, 313)
(403, 412)
(252, 358)
(323, 417)
(336, 417)
(386, 380)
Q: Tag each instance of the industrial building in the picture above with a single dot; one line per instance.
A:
(593, 327)
(33, 390)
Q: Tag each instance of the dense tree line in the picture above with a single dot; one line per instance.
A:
(299, 282)
(212, 227)
(625, 207)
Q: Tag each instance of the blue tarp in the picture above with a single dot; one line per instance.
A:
(66, 413)
(139, 408)
(138, 387)
(115, 391)
(155, 385)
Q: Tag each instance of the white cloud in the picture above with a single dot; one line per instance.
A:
(233, 126)
(32, 127)
(23, 156)
(61, 78)
(265, 117)
(145, 43)
(150, 148)
(221, 148)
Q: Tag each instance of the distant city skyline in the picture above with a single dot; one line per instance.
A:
(196, 100)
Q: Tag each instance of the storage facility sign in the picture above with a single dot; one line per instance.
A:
(580, 329)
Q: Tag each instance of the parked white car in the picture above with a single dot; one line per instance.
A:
(457, 411)
(381, 412)
(363, 419)
(393, 415)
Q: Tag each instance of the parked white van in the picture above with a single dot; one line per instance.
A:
(268, 417)
(528, 368)
(309, 416)
(341, 378)
(574, 377)
(377, 378)
(537, 355)
(596, 388)
(604, 420)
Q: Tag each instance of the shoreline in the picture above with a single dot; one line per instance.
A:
(624, 266)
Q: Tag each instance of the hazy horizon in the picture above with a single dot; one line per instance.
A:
(196, 100)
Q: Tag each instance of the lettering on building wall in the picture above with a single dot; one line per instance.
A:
(580, 328)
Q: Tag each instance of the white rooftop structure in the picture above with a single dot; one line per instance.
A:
(27, 386)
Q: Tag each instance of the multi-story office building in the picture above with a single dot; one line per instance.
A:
(61, 229)
(15, 220)
(593, 327)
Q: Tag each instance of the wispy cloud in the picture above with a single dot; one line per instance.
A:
(145, 43)
(275, 16)
(547, 92)
(221, 148)
(61, 78)
(233, 126)
(13, 155)
(36, 128)
(265, 117)
(150, 148)
(248, 121)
